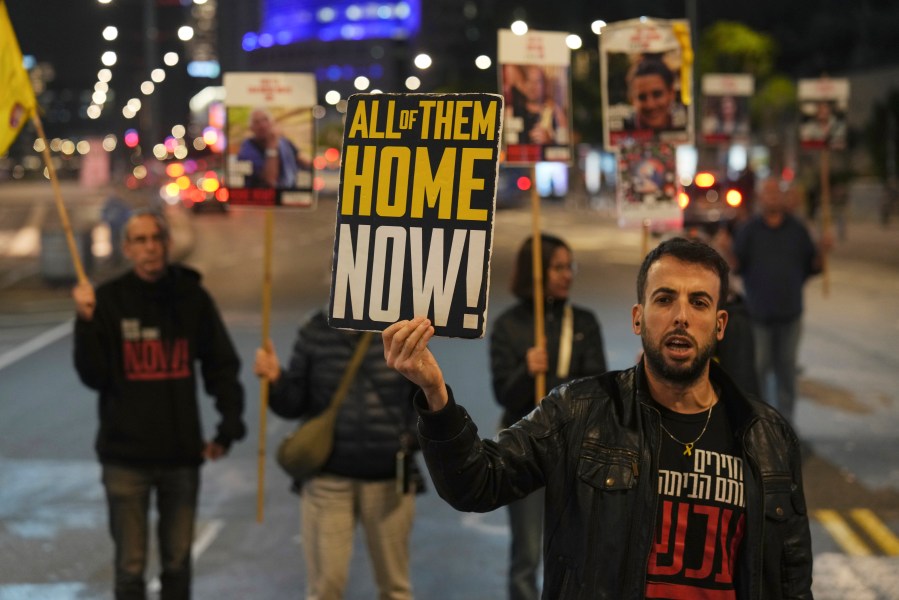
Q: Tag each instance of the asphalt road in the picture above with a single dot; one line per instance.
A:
(53, 542)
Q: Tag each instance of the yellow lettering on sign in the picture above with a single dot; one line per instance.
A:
(431, 187)
(392, 199)
(461, 119)
(458, 119)
(355, 178)
(360, 122)
(484, 124)
(468, 183)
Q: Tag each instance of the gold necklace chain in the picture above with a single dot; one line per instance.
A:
(688, 446)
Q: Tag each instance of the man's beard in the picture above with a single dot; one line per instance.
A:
(678, 373)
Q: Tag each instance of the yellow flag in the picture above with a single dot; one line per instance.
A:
(17, 99)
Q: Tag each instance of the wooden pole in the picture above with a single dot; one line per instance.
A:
(537, 271)
(263, 383)
(825, 217)
(644, 245)
(57, 195)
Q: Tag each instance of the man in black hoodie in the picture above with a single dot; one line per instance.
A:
(137, 341)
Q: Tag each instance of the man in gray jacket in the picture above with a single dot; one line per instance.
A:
(662, 481)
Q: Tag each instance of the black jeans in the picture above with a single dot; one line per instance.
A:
(128, 491)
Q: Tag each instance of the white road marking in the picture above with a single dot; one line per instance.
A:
(36, 343)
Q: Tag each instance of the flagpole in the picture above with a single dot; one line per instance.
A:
(57, 194)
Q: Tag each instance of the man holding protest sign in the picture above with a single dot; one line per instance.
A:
(662, 481)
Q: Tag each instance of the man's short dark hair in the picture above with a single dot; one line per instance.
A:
(688, 251)
(652, 64)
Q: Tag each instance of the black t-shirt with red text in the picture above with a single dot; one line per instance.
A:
(701, 509)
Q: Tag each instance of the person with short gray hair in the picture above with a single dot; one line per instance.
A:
(141, 340)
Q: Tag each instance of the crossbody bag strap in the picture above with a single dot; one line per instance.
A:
(351, 369)
(566, 338)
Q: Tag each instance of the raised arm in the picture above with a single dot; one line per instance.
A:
(406, 351)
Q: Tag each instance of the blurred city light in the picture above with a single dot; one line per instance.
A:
(596, 26)
(332, 97)
(519, 28)
(178, 131)
(132, 139)
(110, 33)
(573, 41)
(104, 75)
(413, 83)
(483, 62)
(422, 61)
(361, 83)
(109, 58)
(170, 58)
(185, 33)
(157, 75)
(147, 88)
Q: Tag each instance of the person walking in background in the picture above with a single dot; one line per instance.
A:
(574, 348)
(775, 255)
(138, 339)
(662, 481)
(360, 482)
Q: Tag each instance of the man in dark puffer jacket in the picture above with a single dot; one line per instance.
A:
(374, 430)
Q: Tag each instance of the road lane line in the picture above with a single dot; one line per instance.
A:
(875, 528)
(36, 343)
(841, 532)
(206, 537)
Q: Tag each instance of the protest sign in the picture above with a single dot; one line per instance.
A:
(415, 211)
(725, 107)
(647, 73)
(534, 77)
(271, 139)
(823, 103)
(647, 186)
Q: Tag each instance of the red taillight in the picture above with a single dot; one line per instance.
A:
(683, 199)
(734, 198)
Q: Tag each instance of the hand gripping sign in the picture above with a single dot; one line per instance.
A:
(415, 211)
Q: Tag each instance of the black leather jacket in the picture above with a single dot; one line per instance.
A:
(594, 445)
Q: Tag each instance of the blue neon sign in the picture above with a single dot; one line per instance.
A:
(290, 21)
